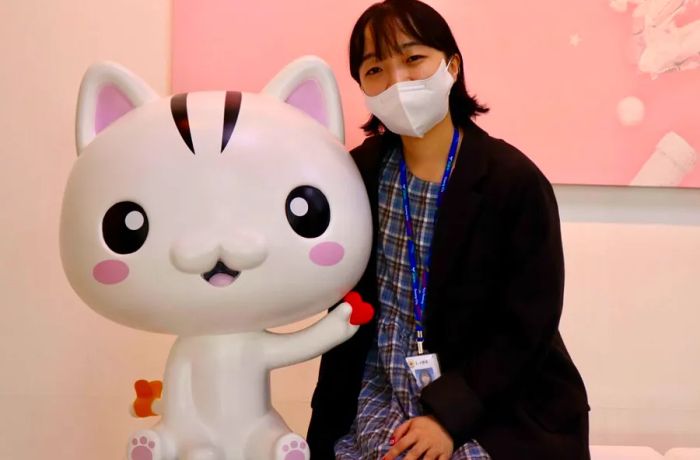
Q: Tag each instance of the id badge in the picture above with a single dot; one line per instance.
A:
(425, 368)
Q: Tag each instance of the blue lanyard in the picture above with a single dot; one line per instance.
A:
(420, 287)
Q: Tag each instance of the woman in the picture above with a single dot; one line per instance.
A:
(467, 269)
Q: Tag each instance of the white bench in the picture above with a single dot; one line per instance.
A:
(624, 453)
(642, 453)
(680, 453)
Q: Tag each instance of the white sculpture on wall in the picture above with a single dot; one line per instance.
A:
(664, 46)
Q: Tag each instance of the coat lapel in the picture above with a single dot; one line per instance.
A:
(461, 205)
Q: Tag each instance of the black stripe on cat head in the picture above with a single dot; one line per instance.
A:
(178, 107)
(232, 106)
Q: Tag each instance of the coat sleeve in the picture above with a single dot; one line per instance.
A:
(528, 310)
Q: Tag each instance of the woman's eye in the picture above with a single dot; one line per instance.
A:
(373, 71)
(415, 57)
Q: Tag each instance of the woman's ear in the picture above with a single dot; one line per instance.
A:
(454, 65)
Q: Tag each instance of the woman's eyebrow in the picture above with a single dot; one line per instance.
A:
(410, 44)
(369, 56)
(403, 46)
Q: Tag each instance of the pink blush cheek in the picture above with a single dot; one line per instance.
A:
(110, 272)
(327, 254)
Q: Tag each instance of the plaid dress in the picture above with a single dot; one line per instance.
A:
(389, 394)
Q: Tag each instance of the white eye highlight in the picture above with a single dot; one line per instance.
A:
(299, 207)
(134, 220)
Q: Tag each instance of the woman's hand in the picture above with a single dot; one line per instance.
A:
(421, 437)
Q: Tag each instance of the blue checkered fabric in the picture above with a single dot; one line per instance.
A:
(389, 394)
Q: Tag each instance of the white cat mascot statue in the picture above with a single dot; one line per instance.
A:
(214, 216)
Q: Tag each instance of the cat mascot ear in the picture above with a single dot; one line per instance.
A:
(108, 91)
(309, 85)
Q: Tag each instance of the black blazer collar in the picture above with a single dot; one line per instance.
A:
(461, 205)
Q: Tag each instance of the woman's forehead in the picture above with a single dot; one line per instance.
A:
(390, 41)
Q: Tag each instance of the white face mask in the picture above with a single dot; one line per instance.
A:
(412, 108)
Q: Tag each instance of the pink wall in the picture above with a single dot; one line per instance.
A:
(555, 100)
(66, 373)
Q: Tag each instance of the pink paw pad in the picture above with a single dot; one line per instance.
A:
(142, 449)
(294, 450)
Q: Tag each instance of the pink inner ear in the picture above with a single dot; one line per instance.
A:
(111, 104)
(308, 98)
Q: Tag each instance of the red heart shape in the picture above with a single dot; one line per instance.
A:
(362, 312)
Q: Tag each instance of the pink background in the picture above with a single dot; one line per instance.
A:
(555, 101)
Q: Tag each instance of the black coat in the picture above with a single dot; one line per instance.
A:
(492, 315)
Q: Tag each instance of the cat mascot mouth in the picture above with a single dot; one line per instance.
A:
(220, 275)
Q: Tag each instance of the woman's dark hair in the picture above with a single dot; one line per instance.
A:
(421, 22)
